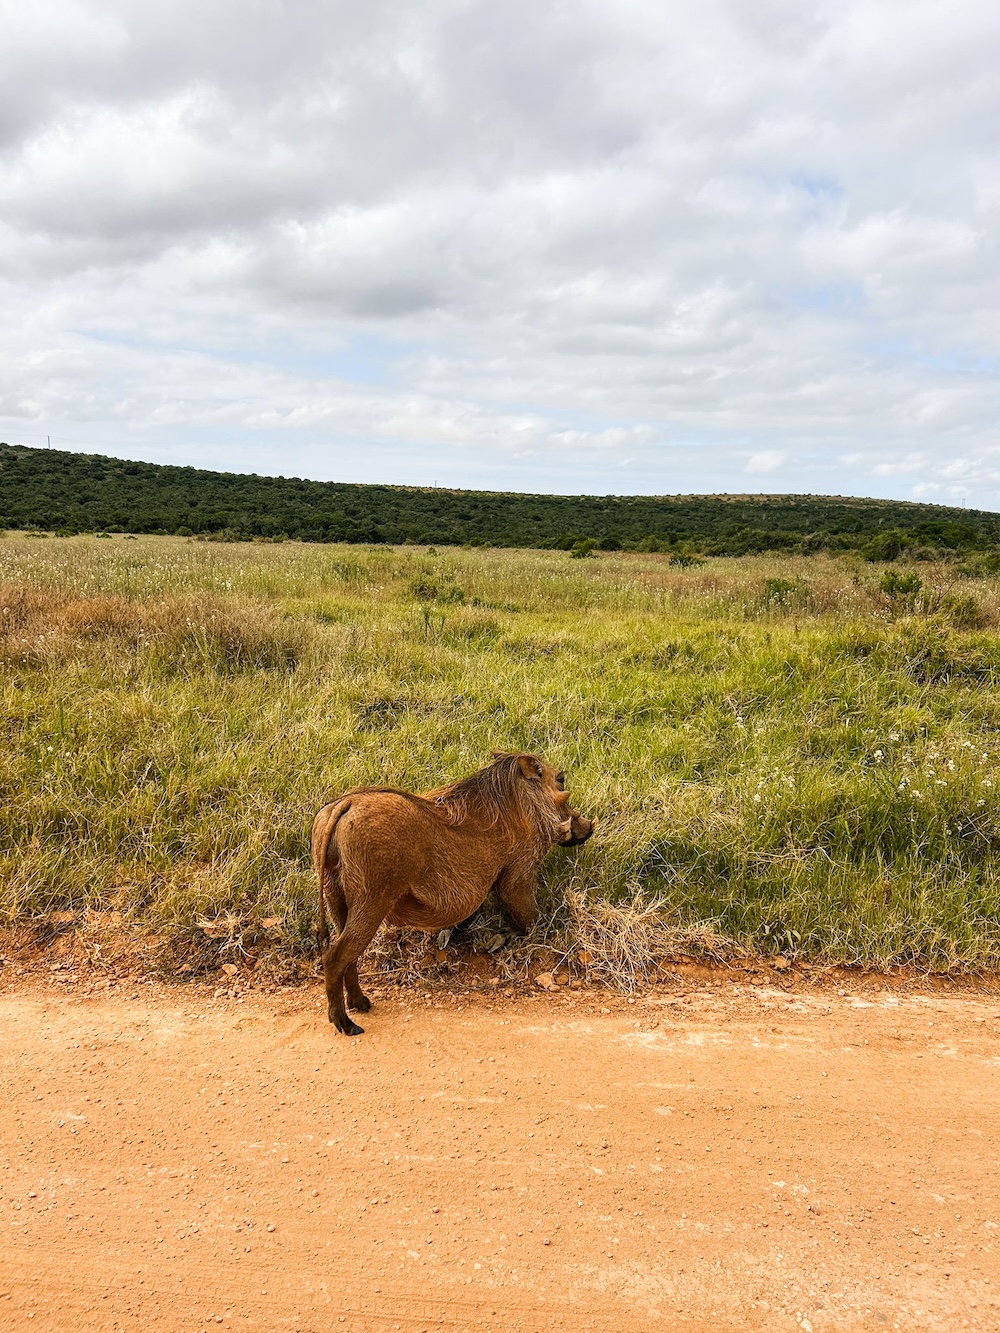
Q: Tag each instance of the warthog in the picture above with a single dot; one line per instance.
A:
(429, 861)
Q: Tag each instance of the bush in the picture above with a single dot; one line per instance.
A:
(583, 549)
(900, 585)
(886, 545)
(686, 560)
(979, 565)
(423, 590)
(964, 611)
(777, 592)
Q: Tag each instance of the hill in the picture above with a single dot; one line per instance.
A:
(72, 492)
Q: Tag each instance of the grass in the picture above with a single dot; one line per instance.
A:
(786, 756)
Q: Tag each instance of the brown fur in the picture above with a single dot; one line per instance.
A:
(429, 861)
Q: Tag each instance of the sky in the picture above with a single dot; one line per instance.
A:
(642, 247)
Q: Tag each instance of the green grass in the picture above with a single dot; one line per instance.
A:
(785, 757)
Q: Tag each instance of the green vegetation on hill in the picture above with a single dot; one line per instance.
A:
(68, 492)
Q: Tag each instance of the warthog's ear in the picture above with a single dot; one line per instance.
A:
(530, 767)
(501, 754)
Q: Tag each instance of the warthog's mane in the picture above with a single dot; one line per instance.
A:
(500, 793)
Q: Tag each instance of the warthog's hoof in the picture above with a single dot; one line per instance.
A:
(346, 1026)
(360, 1004)
(343, 1024)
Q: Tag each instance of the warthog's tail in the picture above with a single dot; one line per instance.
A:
(323, 830)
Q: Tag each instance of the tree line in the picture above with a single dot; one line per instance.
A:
(69, 493)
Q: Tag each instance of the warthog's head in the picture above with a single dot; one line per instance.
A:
(544, 786)
(570, 828)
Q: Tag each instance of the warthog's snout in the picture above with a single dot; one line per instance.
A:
(575, 830)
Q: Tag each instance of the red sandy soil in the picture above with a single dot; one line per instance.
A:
(709, 1156)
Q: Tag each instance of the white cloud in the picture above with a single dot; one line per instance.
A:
(767, 460)
(478, 241)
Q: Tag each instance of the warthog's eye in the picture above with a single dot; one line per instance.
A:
(561, 781)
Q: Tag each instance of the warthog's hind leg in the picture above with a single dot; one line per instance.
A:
(356, 998)
(340, 966)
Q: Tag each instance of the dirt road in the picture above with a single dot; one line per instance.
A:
(710, 1157)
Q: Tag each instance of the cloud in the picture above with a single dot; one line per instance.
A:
(767, 460)
(479, 241)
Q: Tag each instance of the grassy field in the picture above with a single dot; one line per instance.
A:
(785, 757)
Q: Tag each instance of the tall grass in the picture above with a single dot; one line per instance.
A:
(785, 756)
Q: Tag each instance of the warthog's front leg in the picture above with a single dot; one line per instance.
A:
(515, 890)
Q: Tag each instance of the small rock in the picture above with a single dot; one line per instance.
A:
(270, 922)
(545, 981)
(230, 969)
(781, 963)
(585, 957)
(270, 1226)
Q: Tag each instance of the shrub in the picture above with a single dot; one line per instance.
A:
(964, 611)
(900, 585)
(779, 591)
(583, 549)
(886, 545)
(423, 590)
(979, 565)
